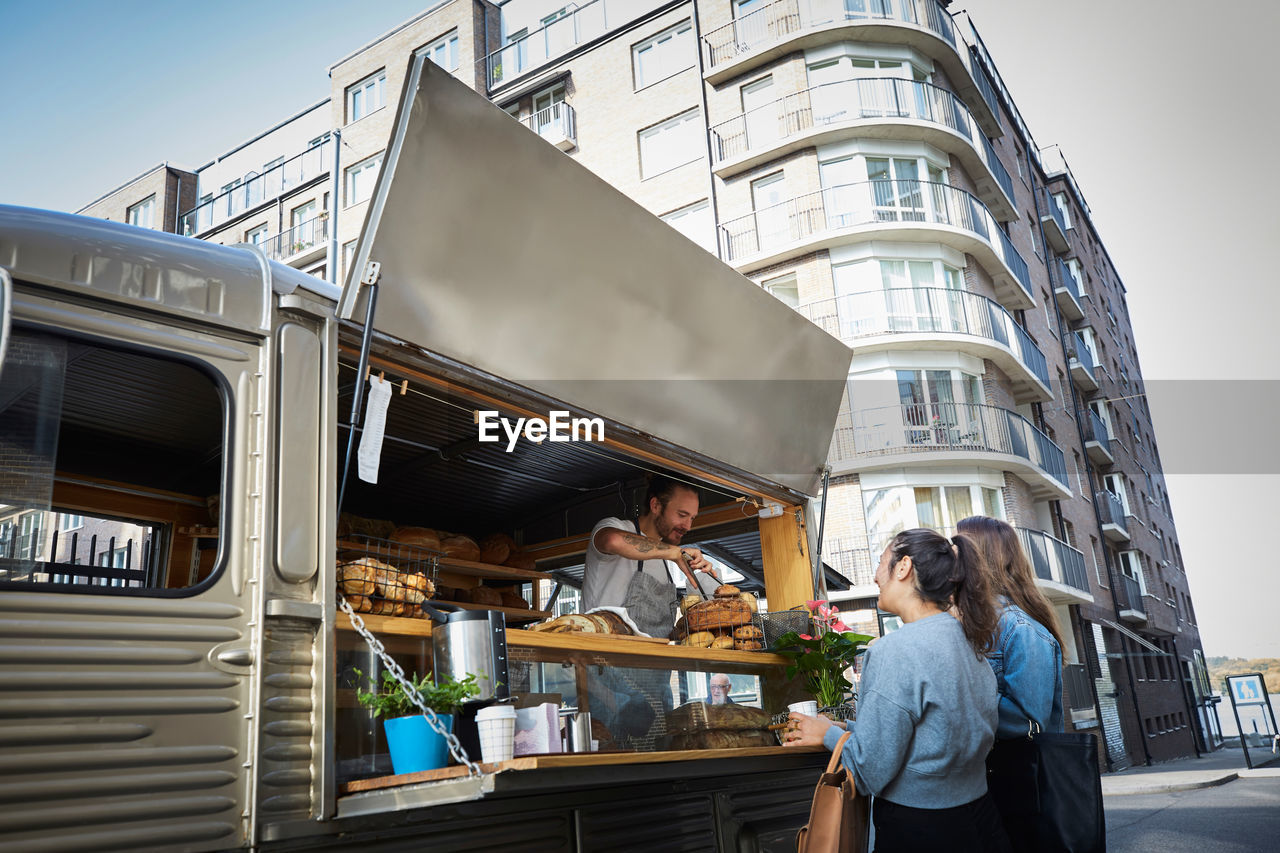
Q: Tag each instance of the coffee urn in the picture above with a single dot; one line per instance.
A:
(470, 641)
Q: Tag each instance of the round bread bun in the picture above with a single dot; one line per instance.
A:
(748, 632)
(496, 548)
(521, 561)
(722, 643)
(727, 590)
(748, 645)
(486, 595)
(702, 639)
(460, 547)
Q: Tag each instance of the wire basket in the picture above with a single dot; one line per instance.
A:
(386, 578)
(774, 625)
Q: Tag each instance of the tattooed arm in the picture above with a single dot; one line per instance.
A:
(633, 546)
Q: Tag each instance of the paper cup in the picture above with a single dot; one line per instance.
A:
(809, 709)
(496, 726)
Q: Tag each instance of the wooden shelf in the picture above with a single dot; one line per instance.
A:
(462, 567)
(513, 614)
(414, 627)
(583, 759)
(614, 644)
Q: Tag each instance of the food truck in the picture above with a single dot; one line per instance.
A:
(176, 432)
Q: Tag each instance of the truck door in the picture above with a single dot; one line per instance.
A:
(128, 557)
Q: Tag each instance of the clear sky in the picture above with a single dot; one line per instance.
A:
(1163, 108)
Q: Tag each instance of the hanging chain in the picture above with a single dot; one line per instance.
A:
(455, 749)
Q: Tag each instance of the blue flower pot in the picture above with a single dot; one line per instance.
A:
(414, 745)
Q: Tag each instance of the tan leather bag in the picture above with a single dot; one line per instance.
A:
(839, 814)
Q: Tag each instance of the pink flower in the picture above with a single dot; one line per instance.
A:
(805, 637)
(839, 626)
(814, 605)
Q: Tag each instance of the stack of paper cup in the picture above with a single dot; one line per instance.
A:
(809, 709)
(497, 728)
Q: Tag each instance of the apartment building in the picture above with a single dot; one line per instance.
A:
(155, 199)
(863, 161)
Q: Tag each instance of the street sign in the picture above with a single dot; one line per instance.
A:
(1247, 689)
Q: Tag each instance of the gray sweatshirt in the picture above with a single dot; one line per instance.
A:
(926, 717)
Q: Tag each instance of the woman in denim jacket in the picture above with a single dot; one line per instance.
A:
(1026, 652)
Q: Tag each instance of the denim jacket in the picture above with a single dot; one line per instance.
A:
(1027, 663)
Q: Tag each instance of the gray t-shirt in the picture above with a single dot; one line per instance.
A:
(926, 717)
(606, 576)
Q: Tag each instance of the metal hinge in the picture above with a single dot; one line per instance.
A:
(372, 272)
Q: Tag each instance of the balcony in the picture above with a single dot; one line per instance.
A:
(909, 211)
(1115, 525)
(1052, 220)
(854, 560)
(933, 318)
(1080, 361)
(949, 434)
(1075, 679)
(288, 176)
(1097, 440)
(558, 124)
(1129, 600)
(898, 108)
(301, 244)
(531, 51)
(1059, 568)
(1066, 290)
(787, 26)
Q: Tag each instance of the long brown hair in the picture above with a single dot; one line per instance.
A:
(1011, 574)
(949, 573)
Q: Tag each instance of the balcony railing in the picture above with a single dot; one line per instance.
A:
(1129, 596)
(909, 310)
(1055, 224)
(775, 21)
(298, 239)
(1066, 280)
(289, 175)
(867, 203)
(1111, 510)
(1095, 429)
(557, 124)
(1054, 560)
(1083, 353)
(997, 168)
(945, 427)
(853, 559)
(555, 39)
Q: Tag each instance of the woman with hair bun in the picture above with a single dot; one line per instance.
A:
(1026, 651)
(927, 708)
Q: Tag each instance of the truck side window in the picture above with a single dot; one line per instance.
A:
(111, 468)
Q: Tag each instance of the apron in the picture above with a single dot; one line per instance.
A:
(651, 603)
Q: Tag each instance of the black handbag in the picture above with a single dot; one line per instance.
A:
(1049, 792)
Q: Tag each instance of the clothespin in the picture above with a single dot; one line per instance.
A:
(404, 387)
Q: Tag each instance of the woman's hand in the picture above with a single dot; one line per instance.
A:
(806, 731)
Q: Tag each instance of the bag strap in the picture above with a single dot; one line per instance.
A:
(835, 753)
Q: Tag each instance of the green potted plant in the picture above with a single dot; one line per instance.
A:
(413, 743)
(823, 660)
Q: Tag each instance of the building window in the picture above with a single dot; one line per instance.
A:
(1131, 567)
(366, 96)
(444, 52)
(302, 213)
(667, 53)
(785, 288)
(256, 236)
(673, 143)
(70, 522)
(348, 252)
(695, 223)
(358, 180)
(143, 214)
(893, 510)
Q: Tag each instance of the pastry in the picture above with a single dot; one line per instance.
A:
(703, 639)
(748, 645)
(749, 600)
(724, 642)
(748, 632)
(727, 590)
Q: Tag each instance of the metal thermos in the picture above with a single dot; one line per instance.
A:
(577, 730)
(471, 641)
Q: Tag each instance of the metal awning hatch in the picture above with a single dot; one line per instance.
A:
(501, 252)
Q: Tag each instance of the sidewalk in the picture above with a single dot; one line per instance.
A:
(1213, 768)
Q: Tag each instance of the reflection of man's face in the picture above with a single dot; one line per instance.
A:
(719, 690)
(676, 518)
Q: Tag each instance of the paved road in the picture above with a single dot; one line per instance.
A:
(1243, 815)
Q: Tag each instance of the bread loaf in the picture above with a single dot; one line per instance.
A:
(359, 603)
(718, 613)
(460, 547)
(356, 578)
(486, 595)
(724, 642)
(749, 600)
(510, 599)
(521, 561)
(496, 548)
(727, 590)
(418, 537)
